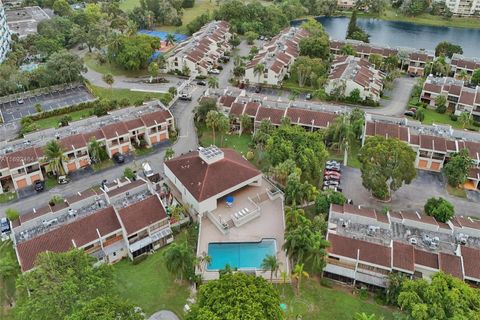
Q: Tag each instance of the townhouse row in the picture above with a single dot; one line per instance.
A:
(366, 246)
(415, 60)
(201, 52)
(275, 58)
(349, 73)
(123, 219)
(460, 97)
(21, 168)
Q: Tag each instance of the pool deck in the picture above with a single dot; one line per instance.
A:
(269, 224)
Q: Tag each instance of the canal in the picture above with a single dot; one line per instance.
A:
(405, 34)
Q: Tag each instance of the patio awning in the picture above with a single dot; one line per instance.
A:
(150, 239)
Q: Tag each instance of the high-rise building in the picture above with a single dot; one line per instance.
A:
(4, 34)
(462, 7)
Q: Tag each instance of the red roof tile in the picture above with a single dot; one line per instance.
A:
(471, 262)
(134, 124)
(425, 258)
(204, 181)
(72, 143)
(156, 118)
(403, 256)
(450, 264)
(142, 214)
(114, 130)
(272, 114)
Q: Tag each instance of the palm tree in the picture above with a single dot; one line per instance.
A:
(364, 316)
(343, 135)
(403, 57)
(298, 274)
(284, 277)
(212, 82)
(131, 28)
(317, 254)
(465, 119)
(176, 211)
(153, 69)
(223, 127)
(108, 79)
(258, 71)
(245, 123)
(270, 262)
(169, 154)
(54, 156)
(170, 39)
(95, 150)
(179, 259)
(203, 260)
(462, 75)
(212, 120)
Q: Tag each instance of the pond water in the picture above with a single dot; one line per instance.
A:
(405, 34)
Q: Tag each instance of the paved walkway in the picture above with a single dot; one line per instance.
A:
(399, 96)
(164, 315)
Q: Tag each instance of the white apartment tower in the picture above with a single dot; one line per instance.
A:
(463, 7)
(4, 34)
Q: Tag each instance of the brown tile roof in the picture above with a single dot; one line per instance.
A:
(310, 117)
(272, 114)
(204, 181)
(430, 87)
(251, 108)
(455, 90)
(134, 124)
(142, 214)
(466, 222)
(125, 188)
(156, 118)
(227, 101)
(34, 214)
(433, 143)
(237, 109)
(97, 134)
(80, 232)
(471, 262)
(403, 256)
(74, 142)
(114, 130)
(425, 258)
(79, 196)
(410, 215)
(368, 252)
(450, 264)
(19, 158)
(467, 98)
(388, 130)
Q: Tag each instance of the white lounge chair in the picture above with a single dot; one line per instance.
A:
(247, 210)
(237, 216)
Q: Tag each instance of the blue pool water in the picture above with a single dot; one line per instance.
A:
(241, 255)
(163, 35)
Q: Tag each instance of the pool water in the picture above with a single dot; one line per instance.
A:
(241, 255)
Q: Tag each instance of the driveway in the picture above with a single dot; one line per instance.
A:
(164, 315)
(398, 97)
(408, 197)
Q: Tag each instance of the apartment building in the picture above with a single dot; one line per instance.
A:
(460, 63)
(463, 8)
(433, 145)
(346, 4)
(415, 60)
(460, 97)
(276, 57)
(21, 168)
(5, 36)
(259, 108)
(350, 73)
(124, 219)
(202, 51)
(366, 246)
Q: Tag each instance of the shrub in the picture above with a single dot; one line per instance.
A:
(128, 173)
(441, 109)
(326, 282)
(453, 117)
(250, 155)
(12, 214)
(439, 208)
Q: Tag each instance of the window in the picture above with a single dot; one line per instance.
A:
(114, 254)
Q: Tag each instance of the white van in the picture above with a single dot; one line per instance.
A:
(147, 170)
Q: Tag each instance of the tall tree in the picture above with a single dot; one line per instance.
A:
(169, 154)
(465, 119)
(170, 39)
(439, 208)
(212, 82)
(212, 120)
(245, 123)
(60, 284)
(386, 164)
(258, 71)
(271, 263)
(458, 167)
(342, 135)
(179, 259)
(475, 79)
(317, 254)
(109, 80)
(106, 308)
(54, 155)
(153, 70)
(298, 274)
(237, 296)
(447, 49)
(95, 150)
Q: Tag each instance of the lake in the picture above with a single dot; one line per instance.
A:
(405, 34)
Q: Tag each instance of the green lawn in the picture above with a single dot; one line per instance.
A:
(316, 302)
(143, 152)
(7, 196)
(92, 63)
(457, 192)
(352, 160)
(149, 284)
(50, 182)
(102, 165)
(234, 141)
(428, 19)
(7, 286)
(52, 122)
(120, 94)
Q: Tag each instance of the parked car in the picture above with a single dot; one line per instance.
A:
(185, 97)
(331, 177)
(332, 163)
(147, 169)
(20, 101)
(409, 113)
(258, 89)
(331, 183)
(63, 180)
(39, 185)
(214, 71)
(4, 225)
(333, 168)
(118, 157)
(331, 173)
(308, 96)
(201, 83)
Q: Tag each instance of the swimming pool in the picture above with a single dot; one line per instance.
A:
(241, 255)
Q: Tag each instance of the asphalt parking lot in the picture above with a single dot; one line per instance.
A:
(13, 111)
(276, 93)
(409, 197)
